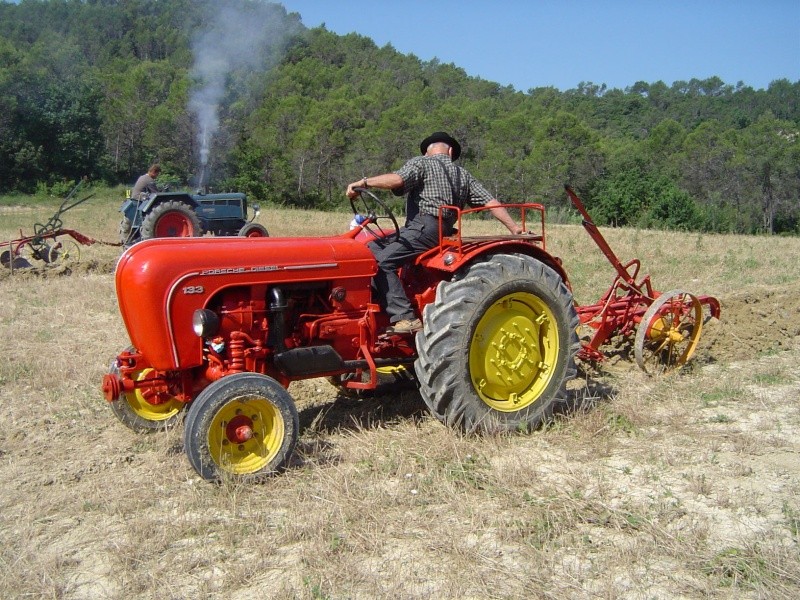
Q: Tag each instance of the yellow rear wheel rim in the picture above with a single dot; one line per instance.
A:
(246, 435)
(513, 352)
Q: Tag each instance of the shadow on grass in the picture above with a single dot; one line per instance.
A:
(386, 404)
(595, 390)
(400, 400)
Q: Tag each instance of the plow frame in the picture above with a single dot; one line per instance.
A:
(11, 256)
(631, 307)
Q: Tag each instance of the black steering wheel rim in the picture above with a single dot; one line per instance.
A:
(370, 203)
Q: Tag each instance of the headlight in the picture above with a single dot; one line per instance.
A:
(205, 322)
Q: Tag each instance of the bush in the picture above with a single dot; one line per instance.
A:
(641, 199)
(673, 209)
(620, 199)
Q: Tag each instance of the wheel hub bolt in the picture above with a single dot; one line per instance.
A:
(244, 433)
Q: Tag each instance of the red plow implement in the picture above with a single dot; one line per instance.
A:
(50, 242)
(666, 327)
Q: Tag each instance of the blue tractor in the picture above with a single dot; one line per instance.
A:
(180, 214)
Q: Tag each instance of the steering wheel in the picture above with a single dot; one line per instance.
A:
(373, 208)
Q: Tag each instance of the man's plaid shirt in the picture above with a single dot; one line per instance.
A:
(434, 181)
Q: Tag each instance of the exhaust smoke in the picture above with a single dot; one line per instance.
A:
(240, 39)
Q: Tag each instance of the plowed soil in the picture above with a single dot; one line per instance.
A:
(752, 324)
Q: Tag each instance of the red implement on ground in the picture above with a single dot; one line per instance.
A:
(666, 326)
(45, 244)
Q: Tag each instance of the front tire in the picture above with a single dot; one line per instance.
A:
(498, 346)
(171, 219)
(136, 409)
(253, 230)
(243, 426)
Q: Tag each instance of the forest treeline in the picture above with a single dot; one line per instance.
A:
(238, 94)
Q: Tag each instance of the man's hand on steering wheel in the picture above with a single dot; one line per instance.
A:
(365, 203)
(351, 192)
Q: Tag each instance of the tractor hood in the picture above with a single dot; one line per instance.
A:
(161, 282)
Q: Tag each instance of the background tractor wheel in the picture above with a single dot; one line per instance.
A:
(253, 230)
(390, 379)
(125, 227)
(498, 346)
(243, 426)
(136, 413)
(171, 219)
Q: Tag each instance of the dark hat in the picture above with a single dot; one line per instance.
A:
(441, 136)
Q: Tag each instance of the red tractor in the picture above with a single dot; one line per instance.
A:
(220, 327)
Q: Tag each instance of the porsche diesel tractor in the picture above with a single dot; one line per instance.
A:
(219, 328)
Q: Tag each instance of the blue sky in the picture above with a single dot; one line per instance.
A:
(560, 43)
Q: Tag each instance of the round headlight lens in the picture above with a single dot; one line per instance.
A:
(205, 323)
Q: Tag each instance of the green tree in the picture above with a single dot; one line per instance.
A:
(103, 88)
(710, 163)
(771, 170)
(137, 98)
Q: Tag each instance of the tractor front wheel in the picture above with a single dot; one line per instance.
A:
(143, 411)
(171, 219)
(498, 346)
(243, 426)
(253, 230)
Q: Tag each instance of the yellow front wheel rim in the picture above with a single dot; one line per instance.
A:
(151, 411)
(246, 434)
(513, 352)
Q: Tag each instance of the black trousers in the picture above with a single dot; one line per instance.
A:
(419, 235)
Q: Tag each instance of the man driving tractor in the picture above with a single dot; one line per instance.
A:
(429, 181)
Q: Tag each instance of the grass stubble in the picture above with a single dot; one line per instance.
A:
(684, 486)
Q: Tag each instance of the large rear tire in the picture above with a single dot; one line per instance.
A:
(125, 228)
(171, 219)
(243, 427)
(498, 346)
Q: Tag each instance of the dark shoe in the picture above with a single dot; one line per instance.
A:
(405, 326)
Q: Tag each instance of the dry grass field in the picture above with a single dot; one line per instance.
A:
(684, 486)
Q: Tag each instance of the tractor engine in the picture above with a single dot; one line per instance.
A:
(234, 333)
(285, 331)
